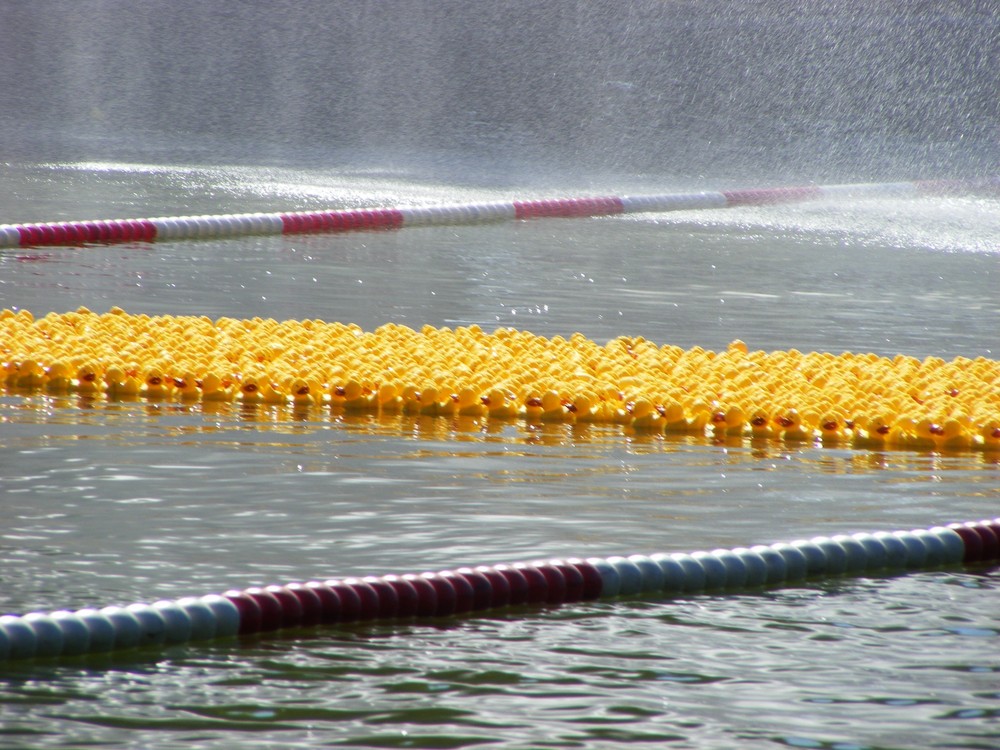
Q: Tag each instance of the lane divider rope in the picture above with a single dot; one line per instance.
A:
(70, 233)
(259, 610)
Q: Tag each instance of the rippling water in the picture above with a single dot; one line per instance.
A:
(119, 502)
(117, 109)
(735, 671)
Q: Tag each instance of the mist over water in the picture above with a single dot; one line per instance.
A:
(744, 91)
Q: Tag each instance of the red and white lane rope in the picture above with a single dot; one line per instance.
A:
(69, 233)
(466, 590)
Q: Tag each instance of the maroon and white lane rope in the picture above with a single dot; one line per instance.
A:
(261, 610)
(70, 233)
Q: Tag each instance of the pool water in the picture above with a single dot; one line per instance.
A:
(117, 109)
(114, 502)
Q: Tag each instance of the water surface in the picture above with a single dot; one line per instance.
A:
(114, 502)
(117, 110)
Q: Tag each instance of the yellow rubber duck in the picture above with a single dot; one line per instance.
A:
(428, 398)
(612, 405)
(791, 427)
(761, 424)
(88, 379)
(470, 403)
(645, 418)
(389, 400)
(553, 408)
(57, 378)
(250, 390)
(215, 389)
(728, 423)
(901, 432)
(187, 387)
(357, 397)
(833, 428)
(120, 384)
(156, 385)
(956, 435)
(30, 375)
(583, 408)
(533, 409)
(447, 403)
(872, 433)
(500, 405)
(272, 392)
(700, 415)
(300, 393)
(336, 394)
(990, 434)
(674, 417)
(411, 400)
(926, 435)
(10, 371)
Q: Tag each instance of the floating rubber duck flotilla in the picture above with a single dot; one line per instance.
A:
(862, 400)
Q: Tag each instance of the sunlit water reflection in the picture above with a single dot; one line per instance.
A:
(113, 502)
